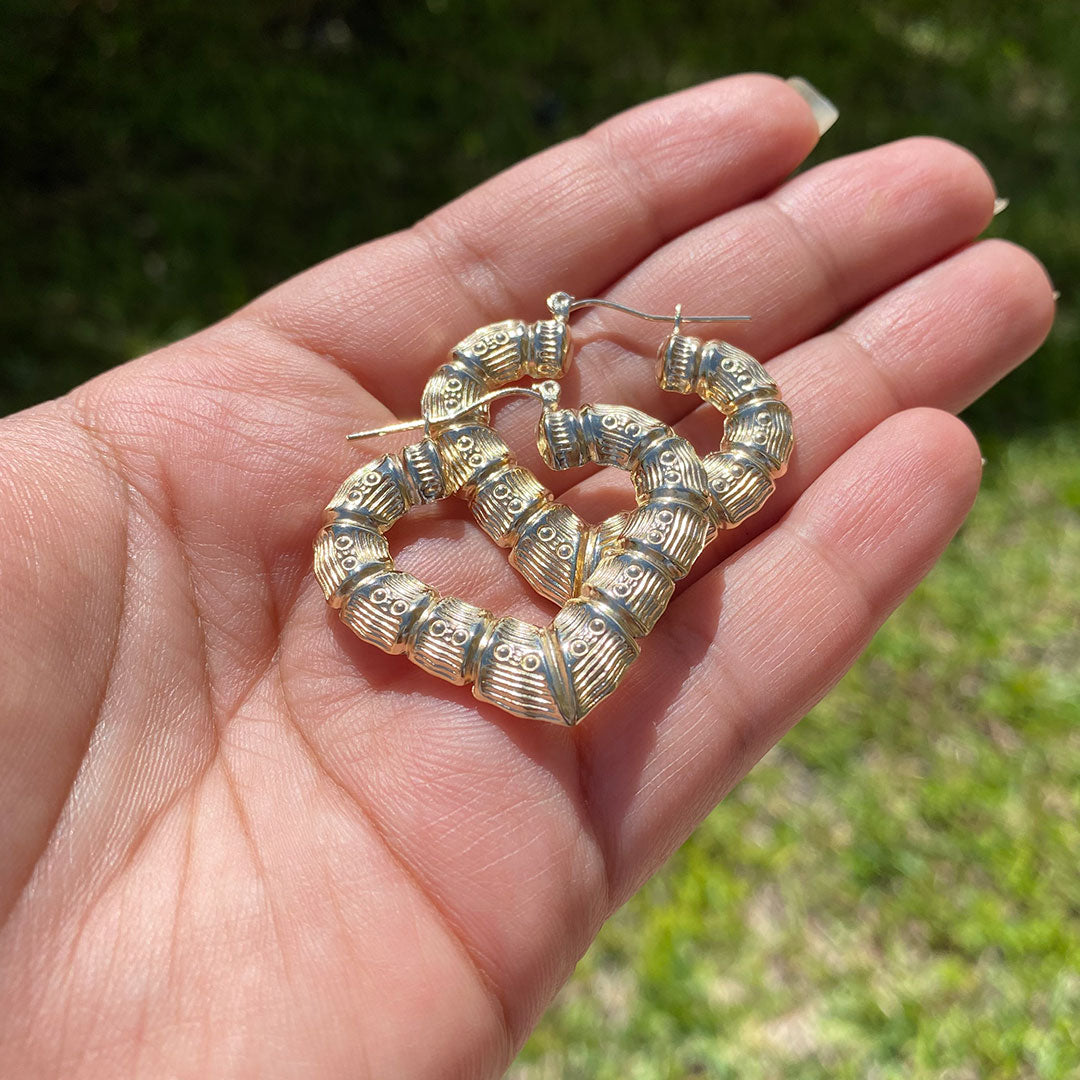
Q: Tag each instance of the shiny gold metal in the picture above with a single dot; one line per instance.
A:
(757, 439)
(754, 451)
(758, 436)
(613, 582)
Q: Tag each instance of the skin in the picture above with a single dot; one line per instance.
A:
(239, 842)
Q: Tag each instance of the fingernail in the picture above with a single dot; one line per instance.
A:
(1000, 203)
(1056, 294)
(825, 112)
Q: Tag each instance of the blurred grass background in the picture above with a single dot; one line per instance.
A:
(894, 892)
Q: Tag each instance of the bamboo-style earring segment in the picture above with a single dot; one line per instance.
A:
(559, 672)
(757, 438)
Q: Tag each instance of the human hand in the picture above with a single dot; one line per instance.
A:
(239, 842)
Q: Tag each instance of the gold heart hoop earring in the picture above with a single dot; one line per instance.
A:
(559, 672)
(613, 580)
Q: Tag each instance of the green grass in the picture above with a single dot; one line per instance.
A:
(894, 891)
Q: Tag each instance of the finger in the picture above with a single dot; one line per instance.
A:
(574, 217)
(940, 339)
(750, 648)
(928, 165)
(818, 247)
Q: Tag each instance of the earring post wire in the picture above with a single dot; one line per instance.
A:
(574, 305)
(408, 425)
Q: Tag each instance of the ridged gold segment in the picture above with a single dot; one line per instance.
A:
(595, 652)
(497, 353)
(765, 429)
(739, 484)
(669, 465)
(376, 491)
(423, 470)
(561, 440)
(345, 552)
(443, 641)
(601, 539)
(504, 351)
(676, 533)
(382, 607)
(615, 434)
(547, 552)
(677, 360)
(549, 349)
(632, 585)
(452, 389)
(503, 499)
(468, 453)
(727, 376)
(513, 673)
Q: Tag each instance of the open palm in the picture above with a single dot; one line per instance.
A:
(238, 841)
